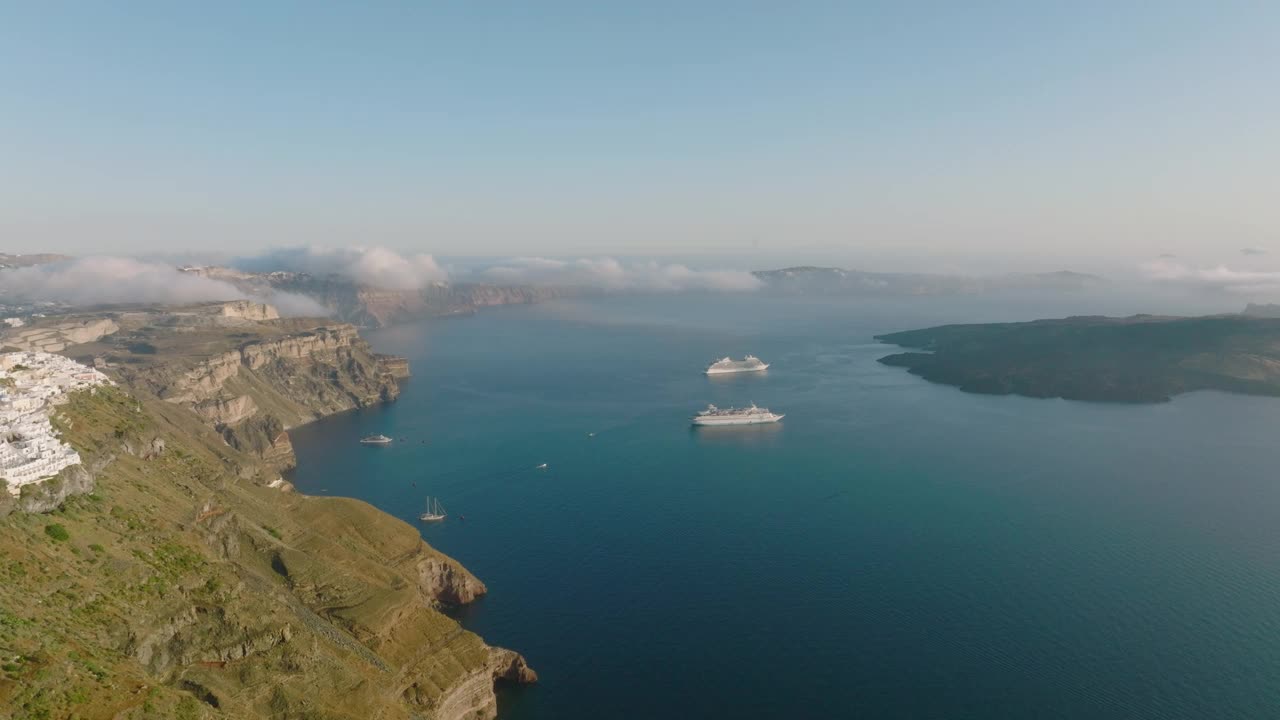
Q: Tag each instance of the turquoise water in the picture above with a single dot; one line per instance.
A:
(892, 549)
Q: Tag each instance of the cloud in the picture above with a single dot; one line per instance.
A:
(1215, 278)
(374, 266)
(1252, 251)
(100, 280)
(610, 274)
(292, 304)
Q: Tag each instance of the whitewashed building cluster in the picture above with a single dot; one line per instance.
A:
(31, 384)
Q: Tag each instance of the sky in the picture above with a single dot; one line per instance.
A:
(895, 135)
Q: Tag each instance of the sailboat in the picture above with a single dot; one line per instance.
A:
(435, 511)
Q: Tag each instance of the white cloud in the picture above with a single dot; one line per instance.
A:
(1215, 278)
(104, 279)
(374, 266)
(610, 274)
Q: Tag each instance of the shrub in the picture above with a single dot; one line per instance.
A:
(57, 532)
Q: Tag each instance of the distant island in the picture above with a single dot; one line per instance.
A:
(368, 306)
(811, 280)
(1266, 310)
(1137, 359)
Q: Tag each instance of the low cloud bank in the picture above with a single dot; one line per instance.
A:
(610, 274)
(374, 266)
(1221, 278)
(103, 280)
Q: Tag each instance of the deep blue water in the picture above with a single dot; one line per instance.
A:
(892, 549)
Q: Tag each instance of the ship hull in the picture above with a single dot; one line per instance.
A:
(718, 421)
(727, 371)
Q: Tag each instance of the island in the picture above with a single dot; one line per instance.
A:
(1137, 359)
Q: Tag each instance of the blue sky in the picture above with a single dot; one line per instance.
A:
(896, 132)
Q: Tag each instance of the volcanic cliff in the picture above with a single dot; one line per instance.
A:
(183, 583)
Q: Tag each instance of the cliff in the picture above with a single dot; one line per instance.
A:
(397, 366)
(1137, 359)
(181, 588)
(250, 375)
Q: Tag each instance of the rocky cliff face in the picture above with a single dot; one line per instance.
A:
(49, 495)
(226, 410)
(246, 310)
(180, 588)
(253, 389)
(397, 366)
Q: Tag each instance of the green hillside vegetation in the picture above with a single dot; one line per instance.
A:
(178, 589)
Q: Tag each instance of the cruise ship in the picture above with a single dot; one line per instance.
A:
(750, 363)
(736, 416)
(375, 440)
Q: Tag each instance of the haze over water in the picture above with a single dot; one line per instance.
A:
(892, 549)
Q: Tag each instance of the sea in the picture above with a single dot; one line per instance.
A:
(892, 549)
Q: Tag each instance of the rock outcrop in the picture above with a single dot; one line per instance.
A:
(247, 310)
(253, 381)
(49, 495)
(221, 411)
(394, 365)
(447, 582)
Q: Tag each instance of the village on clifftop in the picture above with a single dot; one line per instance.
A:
(31, 384)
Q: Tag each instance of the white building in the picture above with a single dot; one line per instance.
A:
(31, 384)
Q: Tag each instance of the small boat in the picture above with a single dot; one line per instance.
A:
(543, 466)
(375, 440)
(435, 511)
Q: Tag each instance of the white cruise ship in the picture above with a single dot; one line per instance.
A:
(750, 363)
(736, 416)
